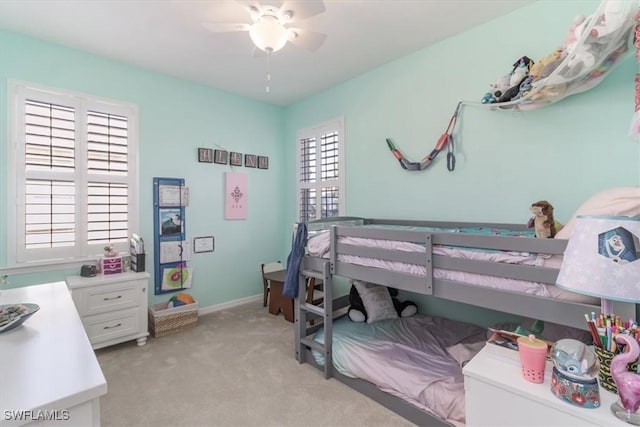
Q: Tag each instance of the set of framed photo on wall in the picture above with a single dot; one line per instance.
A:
(209, 155)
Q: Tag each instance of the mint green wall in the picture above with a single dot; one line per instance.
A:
(175, 118)
(506, 160)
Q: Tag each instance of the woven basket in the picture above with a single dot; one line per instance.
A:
(166, 321)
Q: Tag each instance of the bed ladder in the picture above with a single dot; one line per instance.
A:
(303, 340)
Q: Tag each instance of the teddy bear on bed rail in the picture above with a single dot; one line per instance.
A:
(542, 220)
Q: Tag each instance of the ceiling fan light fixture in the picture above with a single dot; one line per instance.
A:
(268, 34)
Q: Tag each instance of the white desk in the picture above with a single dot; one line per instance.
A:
(496, 394)
(47, 366)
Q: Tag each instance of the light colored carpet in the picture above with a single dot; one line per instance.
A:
(236, 368)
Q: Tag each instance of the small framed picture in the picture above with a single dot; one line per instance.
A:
(250, 160)
(205, 155)
(203, 244)
(220, 156)
(263, 162)
(235, 159)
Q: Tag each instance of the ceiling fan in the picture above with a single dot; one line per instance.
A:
(270, 28)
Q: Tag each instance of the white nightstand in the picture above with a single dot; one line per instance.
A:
(113, 307)
(496, 394)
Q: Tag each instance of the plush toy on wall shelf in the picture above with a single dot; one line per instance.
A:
(542, 220)
(593, 45)
(507, 87)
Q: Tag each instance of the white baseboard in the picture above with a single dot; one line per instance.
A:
(229, 304)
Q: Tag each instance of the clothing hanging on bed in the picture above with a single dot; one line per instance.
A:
(294, 259)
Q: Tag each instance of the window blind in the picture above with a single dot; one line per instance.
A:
(49, 137)
(74, 185)
(50, 214)
(319, 172)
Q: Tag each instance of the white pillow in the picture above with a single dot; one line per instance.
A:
(621, 201)
(376, 300)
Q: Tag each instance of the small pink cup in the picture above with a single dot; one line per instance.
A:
(533, 357)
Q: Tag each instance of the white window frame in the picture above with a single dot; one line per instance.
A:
(335, 125)
(36, 259)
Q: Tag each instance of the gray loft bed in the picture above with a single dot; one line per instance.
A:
(552, 310)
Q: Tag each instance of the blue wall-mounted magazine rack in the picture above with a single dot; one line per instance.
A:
(170, 196)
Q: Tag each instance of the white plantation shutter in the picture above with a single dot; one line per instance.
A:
(107, 213)
(320, 166)
(75, 180)
(108, 168)
(50, 214)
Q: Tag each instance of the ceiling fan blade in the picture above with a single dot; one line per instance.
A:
(258, 53)
(253, 7)
(303, 9)
(309, 40)
(224, 27)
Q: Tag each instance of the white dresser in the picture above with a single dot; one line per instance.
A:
(49, 375)
(113, 308)
(496, 394)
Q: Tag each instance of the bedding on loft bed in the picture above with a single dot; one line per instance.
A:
(319, 245)
(418, 359)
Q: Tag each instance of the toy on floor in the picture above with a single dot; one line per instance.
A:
(542, 220)
(357, 312)
(180, 299)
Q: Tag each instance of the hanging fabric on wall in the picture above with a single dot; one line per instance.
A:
(235, 205)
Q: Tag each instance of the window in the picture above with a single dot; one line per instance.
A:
(320, 171)
(72, 162)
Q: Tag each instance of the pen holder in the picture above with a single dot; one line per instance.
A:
(604, 372)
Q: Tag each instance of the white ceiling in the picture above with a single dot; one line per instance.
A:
(168, 36)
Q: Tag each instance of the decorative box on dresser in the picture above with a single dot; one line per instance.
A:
(113, 308)
(496, 394)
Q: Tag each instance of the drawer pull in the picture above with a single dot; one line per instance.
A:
(114, 326)
(109, 299)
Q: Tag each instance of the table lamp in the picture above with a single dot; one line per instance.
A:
(602, 259)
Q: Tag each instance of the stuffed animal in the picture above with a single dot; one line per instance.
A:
(582, 55)
(542, 220)
(612, 18)
(546, 65)
(357, 312)
(496, 89)
(519, 73)
(547, 92)
(508, 86)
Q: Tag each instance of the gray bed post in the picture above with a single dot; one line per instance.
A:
(328, 320)
(300, 319)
